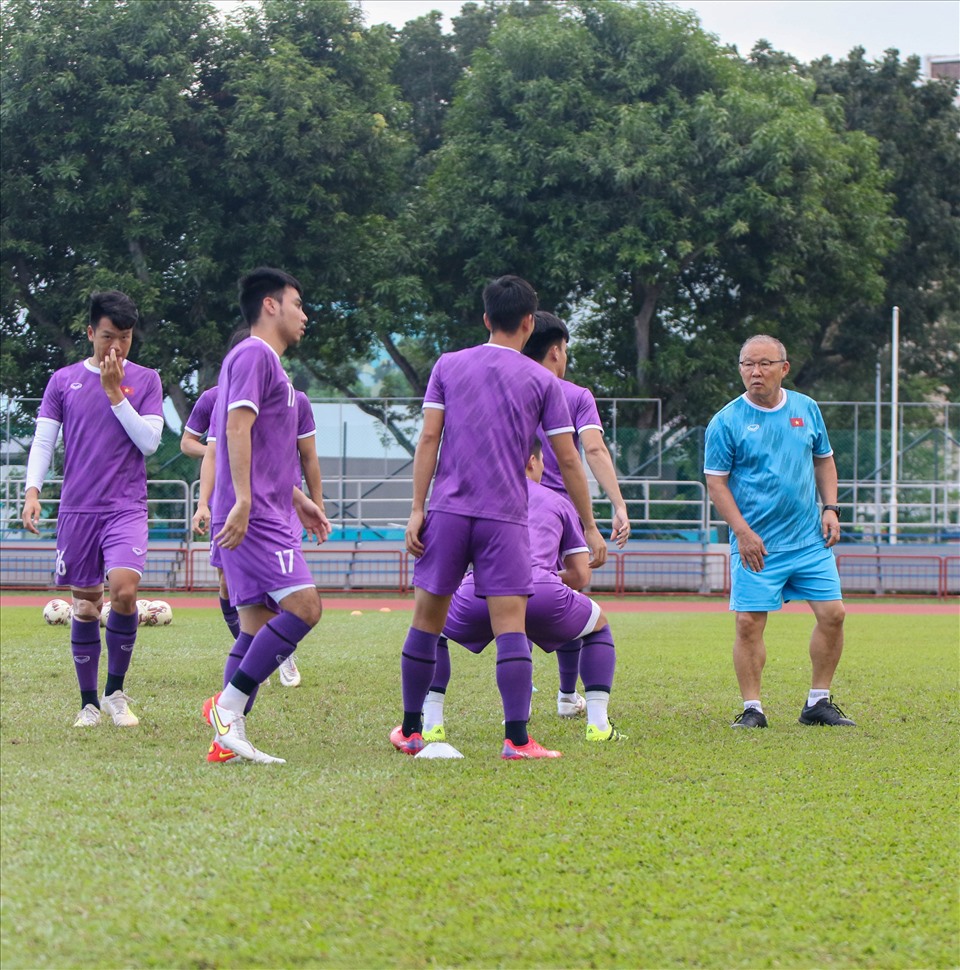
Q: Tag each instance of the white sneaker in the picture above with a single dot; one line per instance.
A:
(289, 675)
(88, 717)
(231, 731)
(568, 706)
(117, 706)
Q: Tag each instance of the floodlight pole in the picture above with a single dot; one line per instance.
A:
(894, 424)
(878, 458)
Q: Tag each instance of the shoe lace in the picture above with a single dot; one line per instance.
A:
(121, 702)
(836, 707)
(238, 727)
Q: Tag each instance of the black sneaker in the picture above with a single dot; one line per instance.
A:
(825, 712)
(751, 717)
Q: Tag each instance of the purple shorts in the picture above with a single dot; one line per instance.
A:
(499, 551)
(556, 615)
(216, 556)
(90, 544)
(267, 560)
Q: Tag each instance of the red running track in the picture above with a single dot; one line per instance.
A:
(903, 607)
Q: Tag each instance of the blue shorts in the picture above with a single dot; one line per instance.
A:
(90, 544)
(801, 574)
(499, 551)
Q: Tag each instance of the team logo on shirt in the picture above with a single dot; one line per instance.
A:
(139, 552)
(753, 427)
(796, 422)
(76, 385)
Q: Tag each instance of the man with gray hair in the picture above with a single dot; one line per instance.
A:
(767, 457)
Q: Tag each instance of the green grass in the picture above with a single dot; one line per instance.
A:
(690, 845)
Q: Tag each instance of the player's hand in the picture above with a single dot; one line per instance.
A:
(621, 528)
(597, 546)
(830, 524)
(201, 519)
(412, 534)
(31, 515)
(235, 528)
(111, 376)
(752, 550)
(314, 521)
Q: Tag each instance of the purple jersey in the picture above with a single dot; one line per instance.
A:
(253, 377)
(493, 399)
(199, 421)
(583, 410)
(102, 467)
(555, 530)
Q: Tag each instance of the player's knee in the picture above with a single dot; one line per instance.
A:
(832, 615)
(87, 610)
(306, 604)
(750, 625)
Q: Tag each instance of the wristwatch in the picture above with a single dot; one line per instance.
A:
(831, 508)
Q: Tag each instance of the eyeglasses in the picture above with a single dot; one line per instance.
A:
(762, 364)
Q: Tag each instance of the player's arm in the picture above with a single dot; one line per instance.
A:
(601, 464)
(576, 570)
(143, 430)
(319, 525)
(424, 465)
(750, 545)
(825, 473)
(575, 482)
(38, 464)
(239, 425)
(208, 471)
(191, 445)
(311, 516)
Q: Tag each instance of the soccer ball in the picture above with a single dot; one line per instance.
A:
(58, 612)
(161, 613)
(104, 613)
(143, 613)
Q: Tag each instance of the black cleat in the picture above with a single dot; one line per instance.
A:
(825, 712)
(751, 717)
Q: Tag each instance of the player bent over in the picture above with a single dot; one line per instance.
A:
(486, 404)
(110, 410)
(556, 613)
(266, 573)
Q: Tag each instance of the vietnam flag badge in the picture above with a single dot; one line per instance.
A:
(796, 422)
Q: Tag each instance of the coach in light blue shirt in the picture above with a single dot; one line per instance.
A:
(767, 457)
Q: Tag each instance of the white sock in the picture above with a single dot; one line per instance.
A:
(570, 697)
(433, 710)
(817, 694)
(754, 704)
(232, 699)
(597, 701)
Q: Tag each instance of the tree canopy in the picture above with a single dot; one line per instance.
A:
(664, 193)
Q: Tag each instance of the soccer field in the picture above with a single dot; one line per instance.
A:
(689, 845)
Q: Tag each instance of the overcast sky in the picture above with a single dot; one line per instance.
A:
(805, 28)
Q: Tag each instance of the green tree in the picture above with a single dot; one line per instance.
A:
(653, 186)
(916, 123)
(109, 154)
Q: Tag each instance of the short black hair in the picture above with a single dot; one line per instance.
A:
(260, 283)
(547, 331)
(506, 301)
(536, 446)
(116, 306)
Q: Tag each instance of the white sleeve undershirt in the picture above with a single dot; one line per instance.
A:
(41, 452)
(143, 431)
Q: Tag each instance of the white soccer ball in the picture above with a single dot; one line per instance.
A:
(161, 613)
(58, 612)
(104, 613)
(145, 617)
